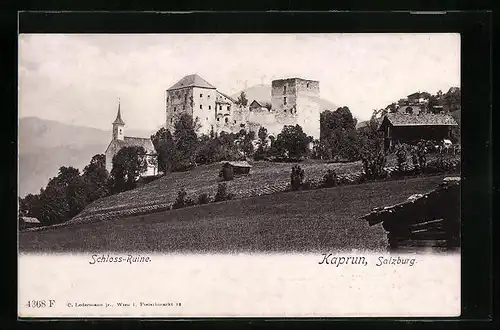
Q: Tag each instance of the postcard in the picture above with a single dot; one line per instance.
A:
(239, 175)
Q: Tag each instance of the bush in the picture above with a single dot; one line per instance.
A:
(222, 194)
(401, 157)
(203, 199)
(182, 200)
(419, 155)
(297, 177)
(226, 173)
(373, 165)
(330, 179)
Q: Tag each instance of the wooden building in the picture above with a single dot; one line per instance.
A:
(28, 222)
(239, 168)
(423, 221)
(412, 125)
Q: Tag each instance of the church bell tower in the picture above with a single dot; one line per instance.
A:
(118, 125)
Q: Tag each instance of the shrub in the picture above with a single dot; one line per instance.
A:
(203, 199)
(297, 177)
(222, 194)
(373, 165)
(330, 179)
(226, 173)
(419, 155)
(401, 157)
(182, 200)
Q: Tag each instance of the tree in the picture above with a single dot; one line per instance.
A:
(29, 206)
(95, 178)
(261, 151)
(336, 127)
(70, 180)
(292, 143)
(54, 207)
(242, 99)
(128, 164)
(164, 145)
(268, 106)
(247, 143)
(186, 142)
(370, 149)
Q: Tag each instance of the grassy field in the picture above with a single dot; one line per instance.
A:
(315, 220)
(265, 178)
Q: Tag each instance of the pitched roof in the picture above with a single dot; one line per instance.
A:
(221, 96)
(118, 119)
(421, 202)
(261, 103)
(238, 163)
(422, 119)
(192, 80)
(30, 220)
(130, 141)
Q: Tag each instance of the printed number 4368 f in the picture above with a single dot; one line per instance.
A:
(41, 303)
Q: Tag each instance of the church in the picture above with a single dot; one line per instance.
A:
(119, 140)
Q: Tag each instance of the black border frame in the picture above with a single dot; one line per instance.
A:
(476, 34)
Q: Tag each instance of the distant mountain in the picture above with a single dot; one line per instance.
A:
(46, 145)
(262, 92)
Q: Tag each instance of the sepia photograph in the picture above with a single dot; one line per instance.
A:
(346, 147)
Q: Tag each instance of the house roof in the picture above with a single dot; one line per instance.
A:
(239, 164)
(192, 80)
(421, 119)
(415, 204)
(221, 96)
(30, 220)
(261, 103)
(118, 119)
(130, 141)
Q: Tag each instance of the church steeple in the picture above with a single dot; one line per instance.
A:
(118, 125)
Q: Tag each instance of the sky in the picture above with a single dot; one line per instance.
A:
(78, 78)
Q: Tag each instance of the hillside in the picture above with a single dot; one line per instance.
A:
(275, 223)
(46, 145)
(263, 93)
(265, 178)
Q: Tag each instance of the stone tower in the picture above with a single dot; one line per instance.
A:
(118, 126)
(296, 101)
(195, 96)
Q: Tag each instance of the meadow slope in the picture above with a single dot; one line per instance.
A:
(304, 221)
(265, 178)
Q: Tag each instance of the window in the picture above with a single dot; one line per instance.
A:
(226, 120)
(206, 118)
(228, 108)
(284, 89)
(171, 120)
(284, 100)
(208, 95)
(409, 110)
(175, 109)
(218, 119)
(201, 95)
(209, 107)
(201, 106)
(284, 110)
(167, 99)
(220, 107)
(307, 85)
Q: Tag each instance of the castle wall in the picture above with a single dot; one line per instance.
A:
(204, 108)
(178, 101)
